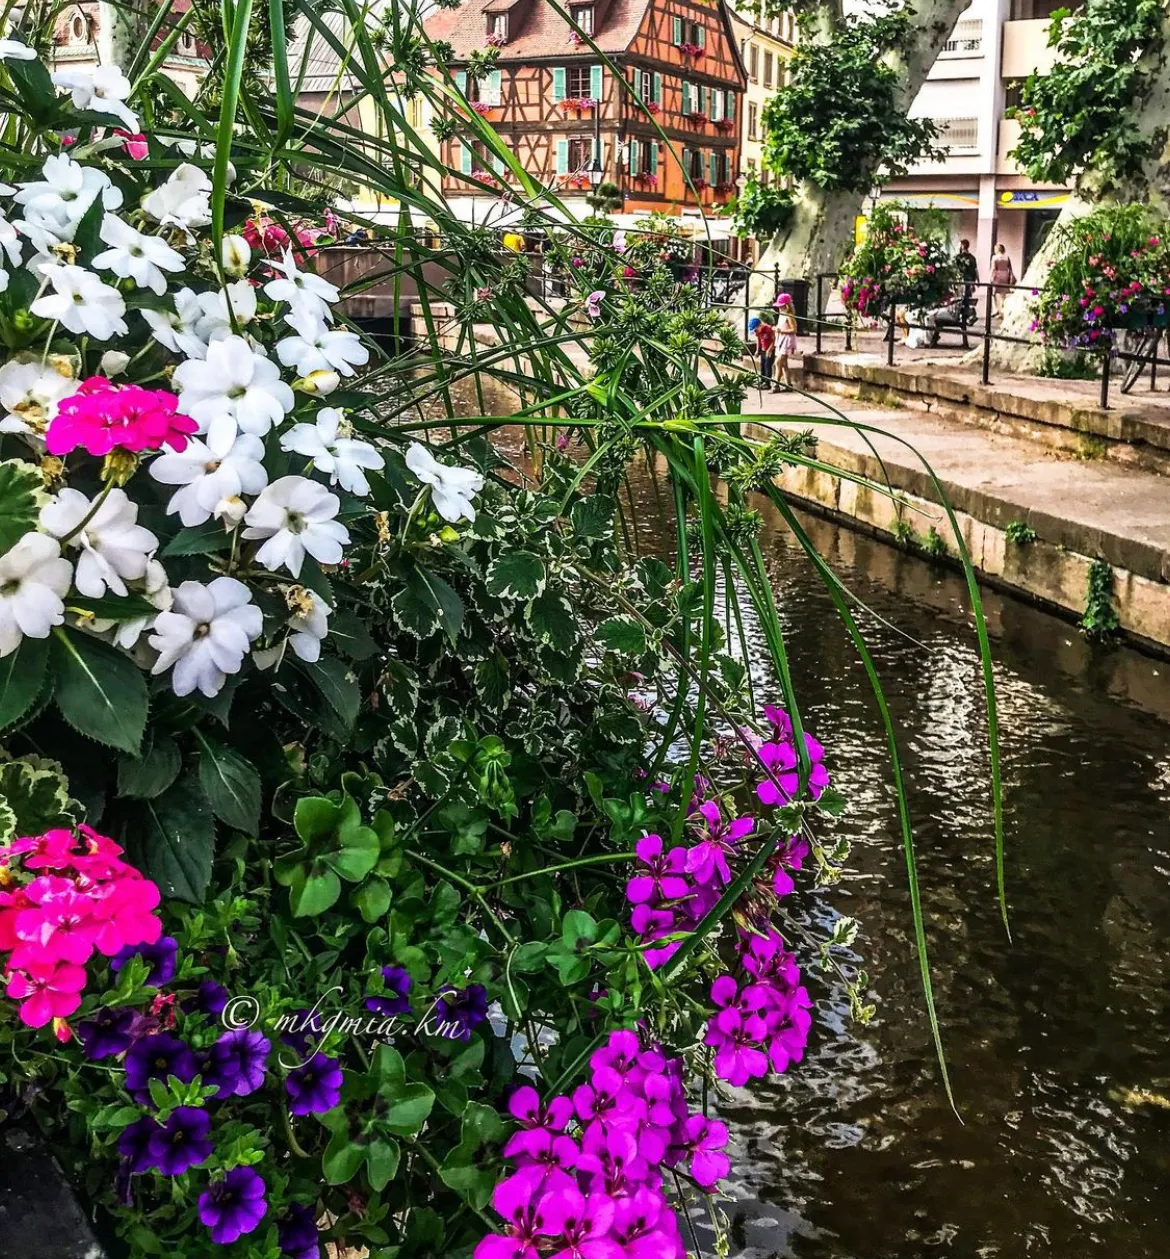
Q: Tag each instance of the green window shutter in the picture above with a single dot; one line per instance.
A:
(656, 91)
(464, 158)
(653, 155)
(713, 165)
(495, 92)
(461, 81)
(686, 161)
(634, 169)
(558, 83)
(562, 157)
(729, 105)
(716, 104)
(702, 98)
(686, 97)
(702, 40)
(596, 83)
(676, 31)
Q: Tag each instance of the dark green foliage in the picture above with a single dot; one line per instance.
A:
(1100, 623)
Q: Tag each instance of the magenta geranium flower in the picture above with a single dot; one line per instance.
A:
(526, 1108)
(520, 1201)
(707, 860)
(665, 877)
(581, 1222)
(101, 417)
(703, 1141)
(46, 991)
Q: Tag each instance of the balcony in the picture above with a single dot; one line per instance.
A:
(1025, 48)
(958, 135)
(966, 40)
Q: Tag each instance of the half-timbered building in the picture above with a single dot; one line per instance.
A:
(664, 106)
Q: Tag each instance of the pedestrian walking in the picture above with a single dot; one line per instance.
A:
(786, 346)
(1003, 276)
(968, 269)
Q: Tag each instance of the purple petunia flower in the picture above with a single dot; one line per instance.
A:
(155, 1058)
(109, 1032)
(182, 1141)
(233, 1206)
(161, 958)
(297, 1233)
(398, 983)
(210, 999)
(304, 1031)
(237, 1061)
(134, 1145)
(314, 1087)
(458, 1011)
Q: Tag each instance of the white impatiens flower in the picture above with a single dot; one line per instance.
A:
(206, 634)
(34, 580)
(157, 591)
(296, 516)
(29, 394)
(215, 319)
(301, 289)
(80, 302)
(334, 450)
(114, 547)
(177, 329)
(64, 193)
(16, 50)
(309, 623)
(135, 256)
(211, 473)
(234, 386)
(451, 488)
(184, 201)
(236, 254)
(317, 348)
(10, 242)
(103, 89)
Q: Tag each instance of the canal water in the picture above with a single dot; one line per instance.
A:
(1057, 1041)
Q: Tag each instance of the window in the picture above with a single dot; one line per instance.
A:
(767, 69)
(966, 40)
(754, 64)
(958, 133)
(582, 15)
(498, 25)
(646, 85)
(696, 165)
(580, 154)
(578, 83)
(753, 121)
(78, 30)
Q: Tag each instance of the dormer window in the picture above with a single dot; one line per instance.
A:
(498, 27)
(582, 15)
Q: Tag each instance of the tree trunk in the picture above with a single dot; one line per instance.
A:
(821, 230)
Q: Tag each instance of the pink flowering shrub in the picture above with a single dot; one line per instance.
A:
(65, 896)
(895, 264)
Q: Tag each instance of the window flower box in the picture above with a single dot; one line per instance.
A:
(695, 115)
(723, 186)
(575, 181)
(579, 103)
(691, 50)
(725, 124)
(653, 107)
(575, 37)
(649, 179)
(483, 108)
(700, 184)
(496, 40)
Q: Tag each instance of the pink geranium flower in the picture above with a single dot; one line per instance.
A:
(101, 417)
(46, 991)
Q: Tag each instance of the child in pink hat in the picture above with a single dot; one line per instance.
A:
(786, 336)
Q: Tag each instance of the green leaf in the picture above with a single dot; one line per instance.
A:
(201, 539)
(622, 634)
(372, 900)
(592, 517)
(232, 785)
(35, 792)
(130, 607)
(349, 635)
(314, 894)
(516, 575)
(553, 621)
(154, 773)
(338, 688)
(21, 676)
(381, 1162)
(172, 839)
(21, 493)
(342, 1159)
(426, 604)
(315, 817)
(409, 1110)
(100, 691)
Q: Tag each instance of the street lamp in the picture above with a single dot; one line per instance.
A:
(596, 170)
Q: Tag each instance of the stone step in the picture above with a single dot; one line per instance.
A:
(1079, 511)
(1062, 415)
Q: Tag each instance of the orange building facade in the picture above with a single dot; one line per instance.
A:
(675, 69)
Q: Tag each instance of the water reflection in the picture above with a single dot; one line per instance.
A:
(1055, 1042)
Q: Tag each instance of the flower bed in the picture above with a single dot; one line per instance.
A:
(1111, 271)
(395, 885)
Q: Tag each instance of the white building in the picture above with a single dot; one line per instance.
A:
(994, 47)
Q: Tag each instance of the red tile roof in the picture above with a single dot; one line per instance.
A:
(536, 29)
